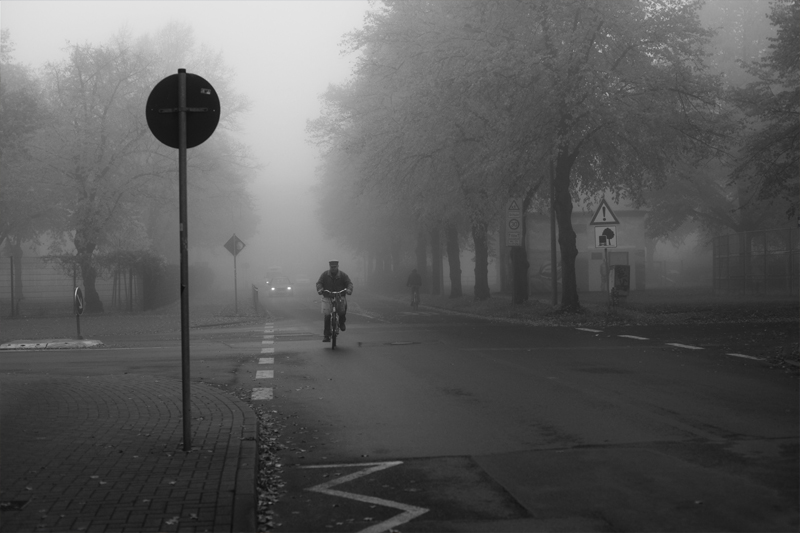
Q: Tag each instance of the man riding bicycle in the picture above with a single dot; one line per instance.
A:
(333, 280)
(415, 282)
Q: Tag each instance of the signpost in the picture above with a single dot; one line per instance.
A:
(234, 246)
(514, 222)
(182, 112)
(605, 231)
(77, 304)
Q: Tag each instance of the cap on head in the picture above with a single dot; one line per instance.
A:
(333, 263)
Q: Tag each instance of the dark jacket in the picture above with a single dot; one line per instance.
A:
(328, 282)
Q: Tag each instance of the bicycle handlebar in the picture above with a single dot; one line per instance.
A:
(334, 292)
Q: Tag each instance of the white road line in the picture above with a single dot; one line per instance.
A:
(634, 337)
(265, 374)
(591, 330)
(269, 336)
(261, 394)
(409, 511)
(746, 356)
(266, 360)
(267, 350)
(267, 342)
(684, 346)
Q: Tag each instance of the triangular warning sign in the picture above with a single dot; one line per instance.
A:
(513, 206)
(604, 216)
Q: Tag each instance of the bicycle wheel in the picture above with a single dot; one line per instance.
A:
(334, 328)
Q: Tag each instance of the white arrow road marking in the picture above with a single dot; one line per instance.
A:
(409, 513)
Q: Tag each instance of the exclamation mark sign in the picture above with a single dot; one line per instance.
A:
(604, 213)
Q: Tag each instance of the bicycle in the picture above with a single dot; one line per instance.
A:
(415, 297)
(337, 303)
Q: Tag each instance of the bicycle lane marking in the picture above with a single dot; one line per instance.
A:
(409, 511)
(265, 393)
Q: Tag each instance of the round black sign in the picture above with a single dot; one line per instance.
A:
(202, 110)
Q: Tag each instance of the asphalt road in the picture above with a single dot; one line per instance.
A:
(502, 427)
(429, 421)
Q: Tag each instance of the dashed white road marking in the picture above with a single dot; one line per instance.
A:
(409, 511)
(261, 394)
(634, 337)
(590, 330)
(265, 393)
(746, 356)
(678, 345)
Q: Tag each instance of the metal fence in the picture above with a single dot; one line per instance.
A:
(43, 288)
(757, 262)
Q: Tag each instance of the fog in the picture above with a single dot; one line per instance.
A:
(283, 53)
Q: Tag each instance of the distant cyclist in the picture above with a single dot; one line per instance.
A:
(333, 280)
(415, 282)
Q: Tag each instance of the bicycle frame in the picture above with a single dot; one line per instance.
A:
(335, 298)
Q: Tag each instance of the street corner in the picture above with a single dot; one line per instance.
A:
(44, 344)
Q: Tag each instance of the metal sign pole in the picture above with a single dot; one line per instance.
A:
(184, 244)
(12, 285)
(235, 286)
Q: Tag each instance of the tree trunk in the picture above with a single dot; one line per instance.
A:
(481, 241)
(436, 261)
(93, 304)
(519, 259)
(519, 265)
(504, 262)
(453, 260)
(422, 256)
(15, 245)
(566, 235)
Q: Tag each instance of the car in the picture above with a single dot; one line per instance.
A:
(279, 285)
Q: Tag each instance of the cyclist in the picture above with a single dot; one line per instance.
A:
(333, 280)
(415, 282)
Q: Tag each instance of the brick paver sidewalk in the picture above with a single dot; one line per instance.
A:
(105, 453)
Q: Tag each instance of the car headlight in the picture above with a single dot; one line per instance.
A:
(288, 288)
(273, 288)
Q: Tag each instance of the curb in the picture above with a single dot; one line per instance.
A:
(246, 496)
(50, 344)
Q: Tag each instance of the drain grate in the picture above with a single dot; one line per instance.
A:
(13, 505)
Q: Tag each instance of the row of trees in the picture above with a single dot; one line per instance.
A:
(80, 170)
(455, 106)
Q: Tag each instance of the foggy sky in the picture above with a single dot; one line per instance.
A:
(284, 53)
